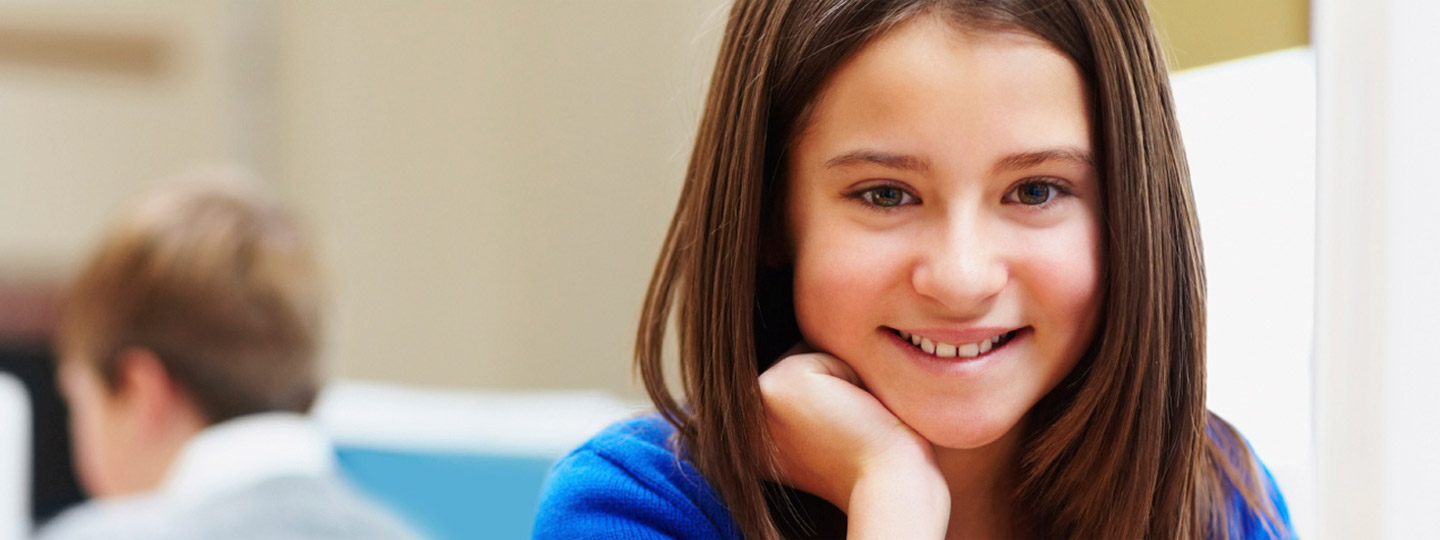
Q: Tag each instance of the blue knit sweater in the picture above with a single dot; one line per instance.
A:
(627, 483)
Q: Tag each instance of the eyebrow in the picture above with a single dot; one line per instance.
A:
(1025, 160)
(904, 162)
(907, 162)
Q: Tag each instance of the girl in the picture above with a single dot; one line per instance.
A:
(937, 274)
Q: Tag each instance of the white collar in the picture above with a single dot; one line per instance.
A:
(246, 450)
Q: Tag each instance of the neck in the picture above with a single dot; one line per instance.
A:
(982, 487)
(159, 447)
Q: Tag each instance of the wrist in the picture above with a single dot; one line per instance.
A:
(923, 478)
(899, 502)
(903, 464)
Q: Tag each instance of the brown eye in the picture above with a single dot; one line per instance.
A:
(886, 196)
(1034, 194)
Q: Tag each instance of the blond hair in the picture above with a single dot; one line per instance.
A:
(216, 280)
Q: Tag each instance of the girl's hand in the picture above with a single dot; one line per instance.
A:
(835, 440)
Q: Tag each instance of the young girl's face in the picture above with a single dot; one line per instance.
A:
(944, 192)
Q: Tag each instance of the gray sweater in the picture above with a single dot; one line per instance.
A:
(285, 508)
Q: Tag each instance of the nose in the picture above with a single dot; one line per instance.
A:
(962, 268)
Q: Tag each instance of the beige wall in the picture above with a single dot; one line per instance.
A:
(78, 138)
(492, 179)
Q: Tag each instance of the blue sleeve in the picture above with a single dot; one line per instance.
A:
(630, 481)
(1247, 519)
(590, 496)
(1277, 502)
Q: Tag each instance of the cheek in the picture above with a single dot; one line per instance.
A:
(1062, 274)
(844, 280)
(94, 432)
(89, 442)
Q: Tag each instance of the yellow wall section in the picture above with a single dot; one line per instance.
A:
(1201, 32)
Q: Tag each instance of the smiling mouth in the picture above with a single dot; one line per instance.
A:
(947, 350)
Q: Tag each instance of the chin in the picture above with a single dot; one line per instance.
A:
(963, 431)
(962, 439)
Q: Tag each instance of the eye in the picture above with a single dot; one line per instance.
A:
(1038, 192)
(885, 197)
(1033, 194)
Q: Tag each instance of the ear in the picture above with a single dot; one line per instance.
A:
(147, 391)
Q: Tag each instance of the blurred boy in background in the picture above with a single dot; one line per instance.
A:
(187, 353)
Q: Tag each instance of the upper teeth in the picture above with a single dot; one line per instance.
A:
(946, 350)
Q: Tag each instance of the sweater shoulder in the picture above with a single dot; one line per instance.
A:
(1256, 506)
(630, 481)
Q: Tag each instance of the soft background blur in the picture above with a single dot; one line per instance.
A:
(490, 181)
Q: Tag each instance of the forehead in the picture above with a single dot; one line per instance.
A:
(928, 85)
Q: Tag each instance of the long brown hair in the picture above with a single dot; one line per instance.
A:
(1123, 447)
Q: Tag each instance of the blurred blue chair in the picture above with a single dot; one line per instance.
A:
(459, 464)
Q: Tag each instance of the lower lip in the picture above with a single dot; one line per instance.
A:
(959, 365)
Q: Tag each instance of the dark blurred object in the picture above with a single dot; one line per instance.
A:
(53, 486)
(27, 319)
